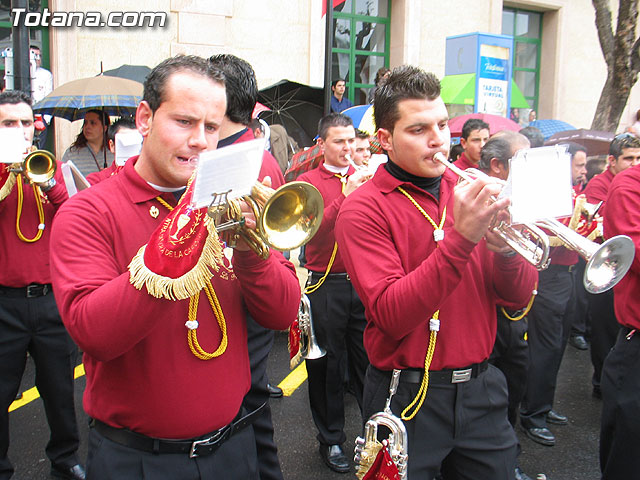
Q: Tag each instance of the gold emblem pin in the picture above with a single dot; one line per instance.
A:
(154, 212)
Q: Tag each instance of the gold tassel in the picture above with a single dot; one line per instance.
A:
(8, 186)
(185, 286)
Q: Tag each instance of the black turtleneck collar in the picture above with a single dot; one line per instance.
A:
(230, 140)
(429, 185)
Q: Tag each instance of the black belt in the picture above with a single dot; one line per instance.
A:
(30, 291)
(195, 447)
(443, 377)
(331, 276)
(565, 268)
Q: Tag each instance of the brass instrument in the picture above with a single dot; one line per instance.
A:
(309, 348)
(606, 263)
(367, 448)
(286, 218)
(38, 167)
(527, 239)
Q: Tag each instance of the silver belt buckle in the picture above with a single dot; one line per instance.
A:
(461, 376)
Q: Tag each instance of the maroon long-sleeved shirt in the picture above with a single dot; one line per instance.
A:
(141, 373)
(402, 278)
(622, 217)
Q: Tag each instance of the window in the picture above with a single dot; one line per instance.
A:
(360, 44)
(526, 29)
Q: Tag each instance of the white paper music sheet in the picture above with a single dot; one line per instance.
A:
(539, 184)
(232, 169)
(13, 145)
(128, 144)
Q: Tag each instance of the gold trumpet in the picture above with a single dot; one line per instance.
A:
(38, 167)
(606, 263)
(286, 218)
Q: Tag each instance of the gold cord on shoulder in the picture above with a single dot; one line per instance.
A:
(36, 193)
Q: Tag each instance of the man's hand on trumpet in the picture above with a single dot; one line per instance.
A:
(475, 207)
(355, 180)
(250, 220)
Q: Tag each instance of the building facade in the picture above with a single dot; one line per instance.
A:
(558, 64)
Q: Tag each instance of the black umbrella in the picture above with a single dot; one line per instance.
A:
(295, 106)
(137, 73)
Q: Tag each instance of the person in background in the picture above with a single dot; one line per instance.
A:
(624, 152)
(123, 124)
(381, 75)
(88, 152)
(475, 133)
(635, 128)
(361, 149)
(41, 78)
(29, 318)
(339, 101)
(455, 151)
(534, 134)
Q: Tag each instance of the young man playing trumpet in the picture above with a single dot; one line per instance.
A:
(29, 318)
(166, 371)
(418, 250)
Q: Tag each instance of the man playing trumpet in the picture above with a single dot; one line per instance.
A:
(418, 250)
(166, 374)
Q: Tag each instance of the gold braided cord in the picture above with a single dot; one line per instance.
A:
(36, 193)
(192, 336)
(424, 385)
(526, 310)
(164, 203)
(433, 334)
(8, 186)
(313, 288)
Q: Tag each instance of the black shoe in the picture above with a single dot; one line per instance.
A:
(274, 391)
(596, 392)
(579, 342)
(71, 473)
(556, 418)
(543, 436)
(520, 475)
(19, 396)
(334, 457)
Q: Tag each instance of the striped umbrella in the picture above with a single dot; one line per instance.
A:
(116, 96)
(362, 116)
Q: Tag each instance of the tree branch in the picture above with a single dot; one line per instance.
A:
(605, 32)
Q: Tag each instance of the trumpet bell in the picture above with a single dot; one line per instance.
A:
(291, 216)
(608, 264)
(39, 166)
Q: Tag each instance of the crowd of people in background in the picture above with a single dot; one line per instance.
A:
(500, 327)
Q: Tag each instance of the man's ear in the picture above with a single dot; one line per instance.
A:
(610, 159)
(385, 137)
(144, 118)
(496, 167)
(320, 143)
(463, 142)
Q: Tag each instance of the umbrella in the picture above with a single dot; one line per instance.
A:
(116, 96)
(362, 116)
(596, 142)
(137, 73)
(496, 123)
(550, 126)
(295, 106)
(461, 90)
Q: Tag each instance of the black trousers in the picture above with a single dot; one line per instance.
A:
(579, 322)
(234, 460)
(260, 341)
(620, 421)
(33, 325)
(511, 356)
(604, 330)
(461, 431)
(339, 322)
(549, 324)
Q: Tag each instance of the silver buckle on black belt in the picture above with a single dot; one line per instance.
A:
(461, 376)
(209, 444)
(37, 290)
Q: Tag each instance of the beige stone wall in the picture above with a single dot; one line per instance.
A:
(285, 39)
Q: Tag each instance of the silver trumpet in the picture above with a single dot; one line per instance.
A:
(367, 448)
(309, 348)
(606, 263)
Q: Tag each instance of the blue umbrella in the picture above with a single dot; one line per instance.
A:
(116, 96)
(362, 116)
(549, 127)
